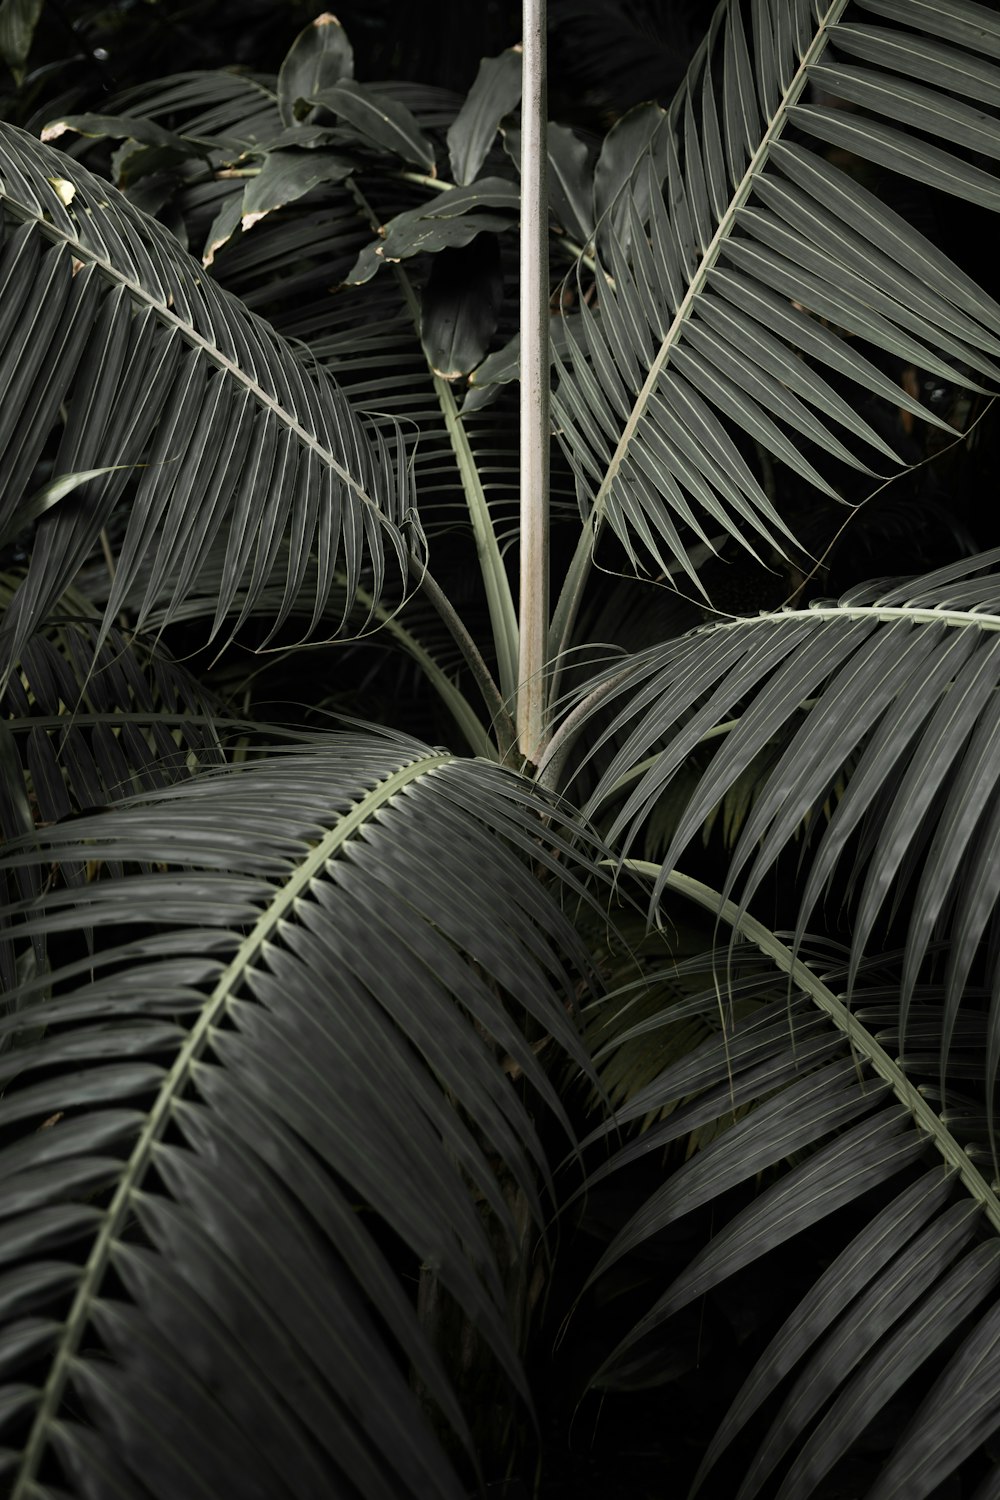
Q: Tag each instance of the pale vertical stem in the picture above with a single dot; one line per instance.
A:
(533, 604)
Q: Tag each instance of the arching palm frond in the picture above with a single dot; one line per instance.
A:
(106, 319)
(280, 1090)
(807, 1092)
(289, 268)
(737, 268)
(901, 678)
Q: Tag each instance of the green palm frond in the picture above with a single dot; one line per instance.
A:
(303, 1029)
(736, 266)
(652, 1014)
(297, 1026)
(807, 1078)
(899, 680)
(106, 320)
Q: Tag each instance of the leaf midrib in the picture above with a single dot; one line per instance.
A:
(887, 613)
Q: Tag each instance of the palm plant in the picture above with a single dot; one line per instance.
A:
(328, 1052)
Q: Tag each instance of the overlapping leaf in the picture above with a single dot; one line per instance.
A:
(305, 916)
(737, 266)
(496, 91)
(320, 57)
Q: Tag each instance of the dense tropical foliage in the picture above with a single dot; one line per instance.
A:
(429, 1068)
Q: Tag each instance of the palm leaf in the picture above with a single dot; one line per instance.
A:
(104, 315)
(901, 680)
(734, 262)
(820, 1083)
(86, 722)
(211, 1064)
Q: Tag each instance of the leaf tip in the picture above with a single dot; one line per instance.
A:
(54, 131)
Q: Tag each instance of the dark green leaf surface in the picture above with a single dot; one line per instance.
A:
(287, 175)
(460, 306)
(134, 128)
(378, 119)
(570, 191)
(18, 20)
(495, 93)
(451, 219)
(319, 58)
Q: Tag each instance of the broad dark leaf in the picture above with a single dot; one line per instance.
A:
(319, 58)
(132, 127)
(378, 119)
(495, 93)
(18, 20)
(285, 176)
(453, 218)
(570, 191)
(460, 306)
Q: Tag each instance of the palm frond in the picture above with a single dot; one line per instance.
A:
(899, 679)
(735, 263)
(154, 366)
(212, 1066)
(236, 110)
(804, 1077)
(653, 1013)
